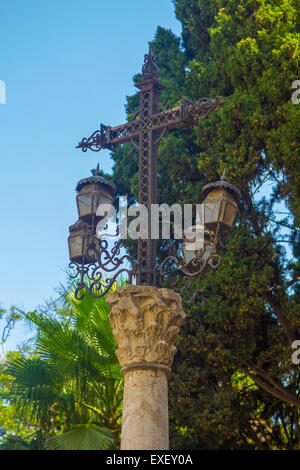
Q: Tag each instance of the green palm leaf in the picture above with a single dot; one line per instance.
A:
(72, 349)
(75, 379)
(84, 437)
(37, 386)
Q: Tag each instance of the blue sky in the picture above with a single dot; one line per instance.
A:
(67, 65)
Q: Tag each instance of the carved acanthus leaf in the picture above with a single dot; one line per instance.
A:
(145, 321)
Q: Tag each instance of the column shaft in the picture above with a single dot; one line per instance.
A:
(145, 322)
(145, 422)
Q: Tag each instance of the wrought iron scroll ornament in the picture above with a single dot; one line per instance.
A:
(189, 285)
(93, 142)
(144, 131)
(99, 268)
(92, 278)
(187, 113)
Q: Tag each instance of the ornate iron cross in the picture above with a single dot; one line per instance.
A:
(145, 131)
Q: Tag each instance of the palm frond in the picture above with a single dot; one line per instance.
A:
(31, 372)
(69, 349)
(76, 378)
(37, 386)
(84, 437)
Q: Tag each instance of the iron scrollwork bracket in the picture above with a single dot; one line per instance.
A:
(93, 142)
(189, 284)
(104, 261)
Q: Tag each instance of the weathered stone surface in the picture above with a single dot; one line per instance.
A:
(145, 322)
(145, 422)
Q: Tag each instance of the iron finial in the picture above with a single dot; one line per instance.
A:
(150, 70)
(96, 172)
(222, 184)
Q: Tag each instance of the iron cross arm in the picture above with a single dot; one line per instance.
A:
(187, 113)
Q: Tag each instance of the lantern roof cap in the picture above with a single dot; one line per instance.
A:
(222, 184)
(96, 178)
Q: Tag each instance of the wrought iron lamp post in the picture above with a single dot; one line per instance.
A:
(90, 255)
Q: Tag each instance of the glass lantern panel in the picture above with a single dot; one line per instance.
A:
(188, 255)
(193, 244)
(229, 213)
(84, 202)
(211, 211)
(75, 246)
(98, 200)
(106, 198)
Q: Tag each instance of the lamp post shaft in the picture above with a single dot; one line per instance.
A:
(149, 99)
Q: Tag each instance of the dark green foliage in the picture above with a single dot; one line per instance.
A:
(81, 438)
(17, 443)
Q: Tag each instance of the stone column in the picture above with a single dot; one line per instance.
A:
(145, 322)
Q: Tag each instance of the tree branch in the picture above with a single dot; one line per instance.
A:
(285, 286)
(275, 305)
(284, 395)
(283, 224)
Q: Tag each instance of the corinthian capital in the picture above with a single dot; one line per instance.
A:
(145, 322)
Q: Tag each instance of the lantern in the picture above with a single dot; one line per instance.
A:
(220, 208)
(220, 205)
(82, 243)
(92, 192)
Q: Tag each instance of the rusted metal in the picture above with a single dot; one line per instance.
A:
(98, 278)
(145, 131)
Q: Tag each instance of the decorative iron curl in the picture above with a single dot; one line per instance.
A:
(192, 271)
(93, 142)
(92, 278)
(98, 285)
